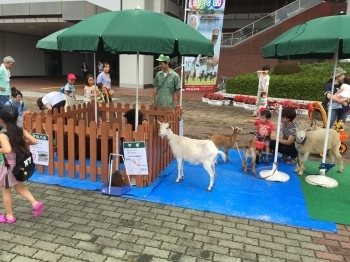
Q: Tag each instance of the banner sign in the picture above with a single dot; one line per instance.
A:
(40, 151)
(207, 17)
(135, 158)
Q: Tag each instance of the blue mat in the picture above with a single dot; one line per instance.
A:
(234, 193)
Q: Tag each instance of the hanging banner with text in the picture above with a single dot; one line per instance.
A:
(207, 17)
(40, 151)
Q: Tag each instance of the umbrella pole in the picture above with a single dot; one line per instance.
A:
(137, 92)
(182, 74)
(322, 179)
(95, 88)
(274, 174)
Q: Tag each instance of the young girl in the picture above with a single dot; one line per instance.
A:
(13, 140)
(263, 102)
(16, 101)
(344, 91)
(90, 87)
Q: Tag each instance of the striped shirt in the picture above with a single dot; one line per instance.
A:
(289, 130)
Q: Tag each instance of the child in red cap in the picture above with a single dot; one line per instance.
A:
(69, 87)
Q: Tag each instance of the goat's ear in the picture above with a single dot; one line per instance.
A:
(308, 129)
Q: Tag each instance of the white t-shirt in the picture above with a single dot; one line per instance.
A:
(264, 80)
(346, 92)
(53, 98)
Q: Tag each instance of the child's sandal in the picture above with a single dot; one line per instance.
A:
(291, 161)
(284, 158)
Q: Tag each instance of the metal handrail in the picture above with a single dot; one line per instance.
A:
(284, 13)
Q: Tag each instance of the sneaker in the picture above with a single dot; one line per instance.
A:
(266, 160)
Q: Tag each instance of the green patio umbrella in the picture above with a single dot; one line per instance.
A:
(325, 37)
(318, 38)
(49, 42)
(135, 31)
(131, 31)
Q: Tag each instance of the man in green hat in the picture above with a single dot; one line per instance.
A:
(167, 84)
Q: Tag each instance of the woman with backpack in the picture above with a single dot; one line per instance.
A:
(14, 141)
(16, 101)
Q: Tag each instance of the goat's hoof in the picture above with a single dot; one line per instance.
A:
(300, 173)
(209, 189)
(296, 170)
(177, 180)
(339, 171)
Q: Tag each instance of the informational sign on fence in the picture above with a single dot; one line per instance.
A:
(135, 158)
(40, 151)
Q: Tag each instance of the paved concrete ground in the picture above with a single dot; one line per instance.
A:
(82, 225)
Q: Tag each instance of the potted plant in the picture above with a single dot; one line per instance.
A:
(239, 100)
(207, 97)
(216, 99)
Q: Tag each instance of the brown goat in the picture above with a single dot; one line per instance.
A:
(249, 151)
(226, 141)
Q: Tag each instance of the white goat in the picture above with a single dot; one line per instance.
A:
(249, 151)
(308, 141)
(226, 141)
(192, 150)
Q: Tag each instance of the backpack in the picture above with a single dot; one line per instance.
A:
(24, 167)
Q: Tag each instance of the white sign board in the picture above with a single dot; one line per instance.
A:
(40, 151)
(135, 158)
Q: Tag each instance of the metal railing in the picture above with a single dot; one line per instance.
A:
(284, 13)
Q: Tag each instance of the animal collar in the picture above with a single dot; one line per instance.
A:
(302, 142)
(170, 138)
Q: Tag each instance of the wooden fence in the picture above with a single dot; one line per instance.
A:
(75, 137)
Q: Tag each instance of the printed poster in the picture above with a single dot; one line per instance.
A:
(40, 151)
(206, 16)
(135, 158)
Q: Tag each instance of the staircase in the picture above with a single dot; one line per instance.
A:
(268, 21)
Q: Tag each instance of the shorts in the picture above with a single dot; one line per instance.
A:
(266, 140)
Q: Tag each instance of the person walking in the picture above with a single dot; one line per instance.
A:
(340, 106)
(5, 75)
(13, 141)
(263, 86)
(84, 69)
(167, 85)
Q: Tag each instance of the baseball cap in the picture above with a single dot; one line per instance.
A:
(8, 114)
(163, 58)
(71, 77)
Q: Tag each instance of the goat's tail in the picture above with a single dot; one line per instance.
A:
(223, 155)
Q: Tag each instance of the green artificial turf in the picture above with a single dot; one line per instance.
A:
(328, 204)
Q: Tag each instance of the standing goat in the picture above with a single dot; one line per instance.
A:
(307, 142)
(226, 141)
(192, 150)
(249, 151)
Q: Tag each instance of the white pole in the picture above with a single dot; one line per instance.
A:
(183, 59)
(323, 171)
(348, 8)
(278, 133)
(137, 92)
(96, 120)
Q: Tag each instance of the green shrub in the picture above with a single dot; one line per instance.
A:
(305, 85)
(287, 68)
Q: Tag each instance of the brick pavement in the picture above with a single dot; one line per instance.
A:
(80, 225)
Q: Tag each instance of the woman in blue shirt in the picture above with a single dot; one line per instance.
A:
(16, 101)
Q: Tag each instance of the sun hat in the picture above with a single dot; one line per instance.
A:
(163, 58)
(339, 71)
(71, 77)
(8, 114)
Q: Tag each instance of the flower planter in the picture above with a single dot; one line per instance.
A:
(226, 102)
(215, 102)
(249, 107)
(238, 104)
(302, 112)
(205, 100)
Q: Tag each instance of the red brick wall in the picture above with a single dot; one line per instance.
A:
(246, 57)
